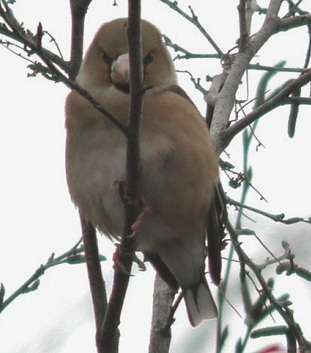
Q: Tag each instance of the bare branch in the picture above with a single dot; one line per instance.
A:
(243, 27)
(299, 100)
(308, 53)
(273, 68)
(96, 280)
(267, 106)
(286, 24)
(73, 256)
(226, 97)
(29, 42)
(195, 21)
(212, 94)
(186, 53)
(160, 335)
(53, 40)
(60, 62)
(290, 268)
(109, 329)
(275, 217)
(196, 81)
(78, 12)
(273, 9)
(294, 8)
(282, 309)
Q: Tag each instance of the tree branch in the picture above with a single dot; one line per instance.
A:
(243, 27)
(194, 20)
(96, 280)
(286, 24)
(29, 42)
(282, 309)
(78, 11)
(160, 334)
(267, 106)
(275, 217)
(273, 8)
(59, 61)
(125, 251)
(73, 256)
(226, 97)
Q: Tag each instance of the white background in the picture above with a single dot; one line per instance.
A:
(38, 218)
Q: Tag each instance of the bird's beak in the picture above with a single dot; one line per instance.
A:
(120, 70)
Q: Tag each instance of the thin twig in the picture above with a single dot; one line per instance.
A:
(267, 106)
(273, 68)
(196, 81)
(195, 21)
(61, 63)
(275, 217)
(241, 177)
(190, 55)
(54, 41)
(186, 53)
(19, 32)
(283, 310)
(293, 8)
(72, 256)
(308, 53)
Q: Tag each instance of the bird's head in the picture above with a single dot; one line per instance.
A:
(107, 60)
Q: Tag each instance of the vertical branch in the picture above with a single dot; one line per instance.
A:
(226, 97)
(97, 284)
(243, 27)
(96, 280)
(78, 11)
(109, 330)
(160, 333)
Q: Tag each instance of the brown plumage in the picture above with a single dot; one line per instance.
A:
(179, 164)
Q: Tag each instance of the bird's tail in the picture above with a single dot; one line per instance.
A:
(199, 303)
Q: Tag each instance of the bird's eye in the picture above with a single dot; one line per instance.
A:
(107, 59)
(148, 58)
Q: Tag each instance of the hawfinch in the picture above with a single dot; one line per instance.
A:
(179, 163)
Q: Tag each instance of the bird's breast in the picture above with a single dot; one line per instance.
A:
(95, 160)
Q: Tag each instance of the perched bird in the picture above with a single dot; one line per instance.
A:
(179, 163)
